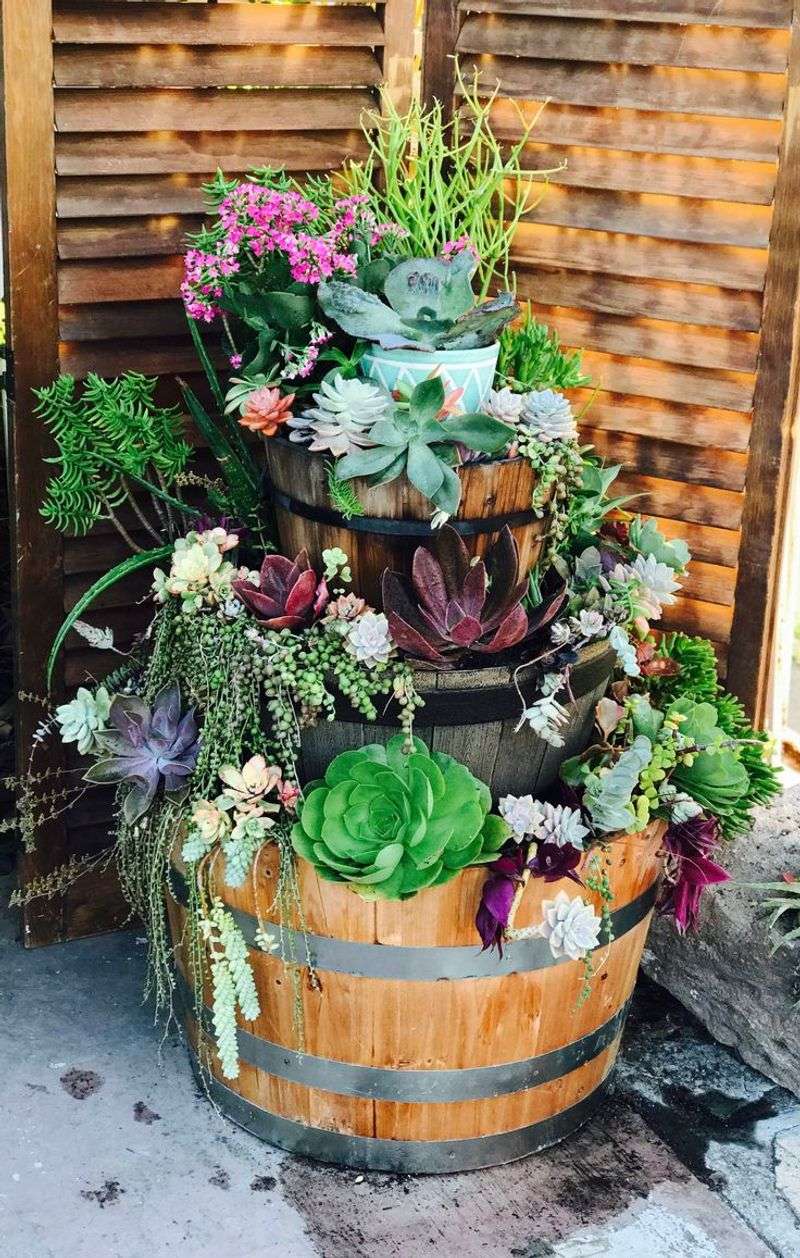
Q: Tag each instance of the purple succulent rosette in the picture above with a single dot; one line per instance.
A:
(289, 594)
(145, 748)
(454, 605)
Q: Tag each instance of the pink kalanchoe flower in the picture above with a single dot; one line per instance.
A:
(235, 360)
(453, 247)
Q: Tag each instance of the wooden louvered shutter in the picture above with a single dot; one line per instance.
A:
(117, 111)
(665, 250)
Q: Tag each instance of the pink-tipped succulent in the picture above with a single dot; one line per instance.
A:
(289, 594)
(453, 606)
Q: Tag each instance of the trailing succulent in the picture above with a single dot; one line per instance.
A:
(418, 441)
(392, 823)
(430, 306)
(454, 605)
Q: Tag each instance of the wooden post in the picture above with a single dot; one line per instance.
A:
(399, 26)
(438, 53)
(28, 173)
(774, 412)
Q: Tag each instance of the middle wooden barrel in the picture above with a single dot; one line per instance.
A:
(474, 715)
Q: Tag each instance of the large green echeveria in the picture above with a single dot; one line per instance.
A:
(392, 823)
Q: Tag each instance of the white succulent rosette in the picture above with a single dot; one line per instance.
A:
(83, 717)
(522, 812)
(570, 926)
(549, 415)
(345, 411)
(504, 404)
(559, 825)
(657, 585)
(198, 575)
(369, 640)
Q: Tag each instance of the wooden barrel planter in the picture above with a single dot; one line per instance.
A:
(473, 714)
(422, 1053)
(397, 516)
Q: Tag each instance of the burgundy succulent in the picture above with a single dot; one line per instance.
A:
(453, 605)
(544, 860)
(690, 868)
(289, 593)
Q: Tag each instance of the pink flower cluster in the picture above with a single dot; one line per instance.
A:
(452, 247)
(302, 362)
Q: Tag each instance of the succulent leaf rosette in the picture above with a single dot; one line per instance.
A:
(392, 823)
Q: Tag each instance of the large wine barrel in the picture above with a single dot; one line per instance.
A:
(473, 715)
(397, 516)
(422, 1053)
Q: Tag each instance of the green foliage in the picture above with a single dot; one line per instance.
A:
(609, 786)
(121, 570)
(783, 906)
(343, 497)
(237, 465)
(430, 306)
(110, 431)
(413, 441)
(646, 538)
(698, 679)
(588, 504)
(392, 823)
(531, 358)
(441, 180)
(232, 983)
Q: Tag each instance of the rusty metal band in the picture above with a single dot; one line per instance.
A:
(422, 1087)
(425, 965)
(411, 1157)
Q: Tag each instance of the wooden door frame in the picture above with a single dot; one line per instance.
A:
(30, 250)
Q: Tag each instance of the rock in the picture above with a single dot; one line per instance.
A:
(726, 973)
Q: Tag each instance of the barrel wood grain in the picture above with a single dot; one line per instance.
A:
(364, 1027)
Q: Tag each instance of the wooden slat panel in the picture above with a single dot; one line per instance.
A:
(615, 254)
(648, 456)
(265, 66)
(707, 544)
(773, 14)
(688, 425)
(241, 24)
(281, 110)
(100, 198)
(109, 358)
(712, 178)
(646, 378)
(710, 620)
(724, 92)
(629, 42)
(139, 280)
(710, 582)
(651, 338)
(670, 218)
(718, 507)
(182, 152)
(127, 237)
(640, 131)
(103, 322)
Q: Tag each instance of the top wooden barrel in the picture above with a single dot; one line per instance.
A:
(397, 516)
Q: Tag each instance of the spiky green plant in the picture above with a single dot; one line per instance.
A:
(442, 179)
(531, 358)
(112, 437)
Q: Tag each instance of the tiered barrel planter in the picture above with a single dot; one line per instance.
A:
(422, 1053)
(396, 516)
(473, 715)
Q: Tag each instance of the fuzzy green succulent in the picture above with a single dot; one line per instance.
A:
(392, 823)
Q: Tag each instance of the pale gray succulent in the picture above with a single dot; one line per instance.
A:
(83, 717)
(571, 927)
(548, 415)
(504, 404)
(560, 826)
(345, 411)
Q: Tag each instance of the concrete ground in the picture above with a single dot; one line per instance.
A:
(108, 1150)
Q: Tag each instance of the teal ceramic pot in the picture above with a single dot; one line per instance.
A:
(471, 370)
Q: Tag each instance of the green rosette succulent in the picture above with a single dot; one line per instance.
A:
(392, 823)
